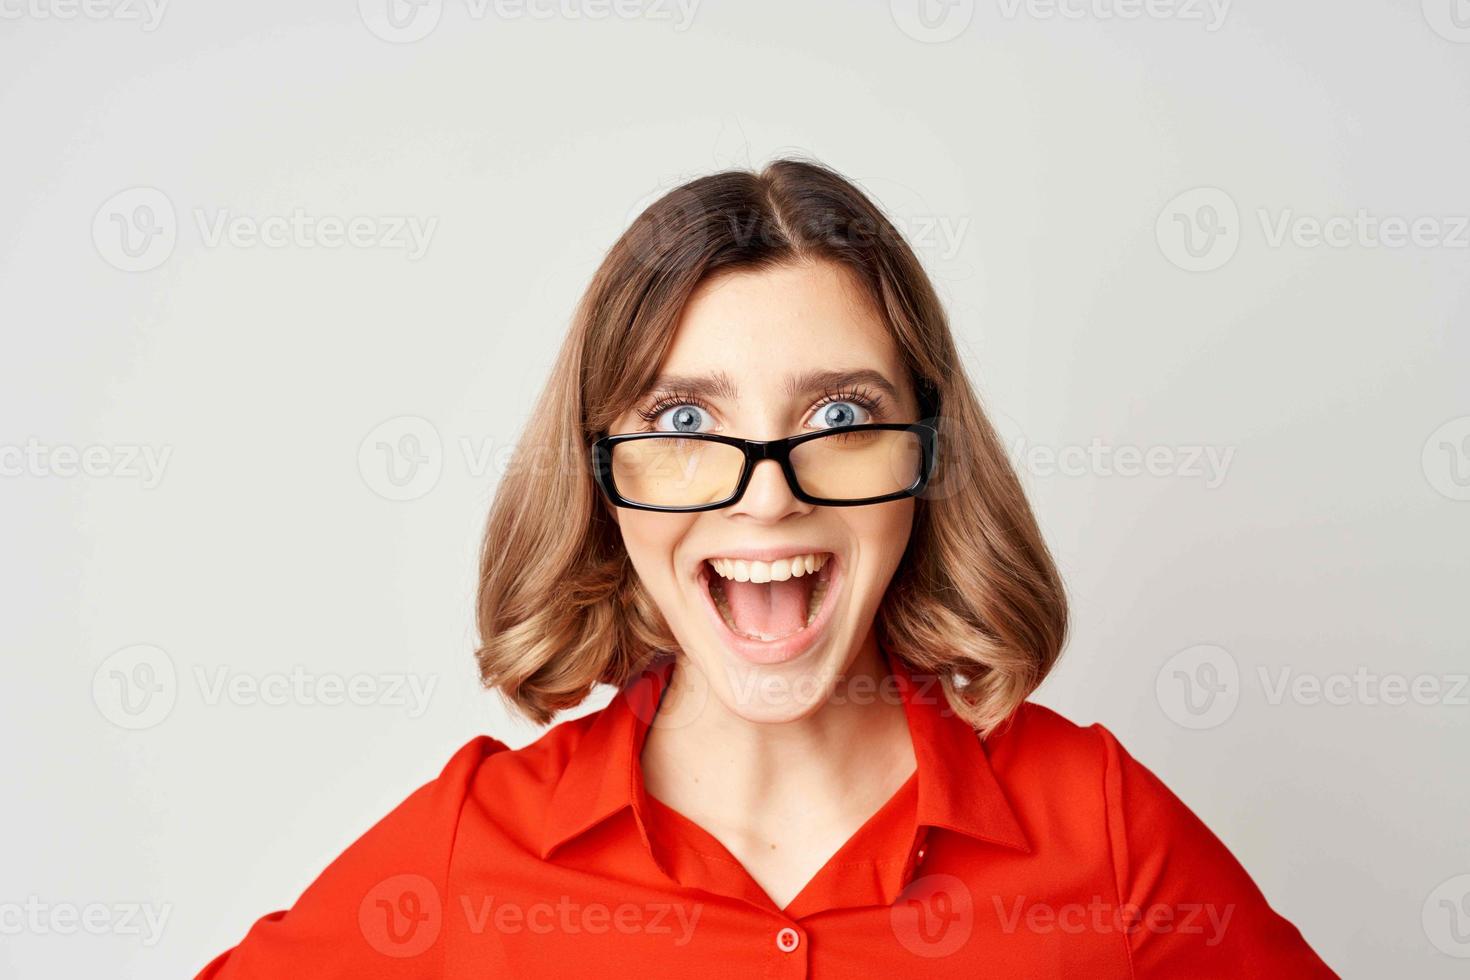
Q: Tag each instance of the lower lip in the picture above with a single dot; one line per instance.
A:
(779, 651)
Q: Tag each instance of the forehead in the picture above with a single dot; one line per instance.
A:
(759, 326)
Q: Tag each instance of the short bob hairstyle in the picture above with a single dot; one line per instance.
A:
(976, 599)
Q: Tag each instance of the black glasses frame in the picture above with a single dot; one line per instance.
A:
(758, 449)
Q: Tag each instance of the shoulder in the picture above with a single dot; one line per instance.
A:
(487, 764)
(512, 789)
(1038, 730)
(1196, 911)
(1047, 763)
(1040, 754)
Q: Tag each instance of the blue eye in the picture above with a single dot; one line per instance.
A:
(680, 418)
(837, 414)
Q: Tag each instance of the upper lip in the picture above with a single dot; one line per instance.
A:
(768, 554)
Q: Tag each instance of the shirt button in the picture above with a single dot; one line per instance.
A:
(787, 940)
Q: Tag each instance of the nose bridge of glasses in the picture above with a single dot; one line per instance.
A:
(775, 468)
(769, 494)
(771, 451)
(763, 449)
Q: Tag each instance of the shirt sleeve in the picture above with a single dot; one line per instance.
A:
(1186, 905)
(377, 909)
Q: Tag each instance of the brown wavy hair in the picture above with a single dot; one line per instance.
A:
(976, 599)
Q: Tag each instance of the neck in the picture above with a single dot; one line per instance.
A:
(755, 780)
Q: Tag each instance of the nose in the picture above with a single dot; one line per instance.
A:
(768, 497)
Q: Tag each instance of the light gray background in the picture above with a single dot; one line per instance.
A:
(1047, 167)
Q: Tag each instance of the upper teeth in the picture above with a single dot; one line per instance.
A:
(743, 570)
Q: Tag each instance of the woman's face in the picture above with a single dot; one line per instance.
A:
(764, 354)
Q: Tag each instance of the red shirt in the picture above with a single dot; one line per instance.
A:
(1044, 850)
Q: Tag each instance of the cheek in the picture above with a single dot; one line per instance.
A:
(651, 541)
(882, 534)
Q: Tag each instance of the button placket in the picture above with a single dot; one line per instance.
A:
(916, 856)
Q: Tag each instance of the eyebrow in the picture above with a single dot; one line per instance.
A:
(719, 385)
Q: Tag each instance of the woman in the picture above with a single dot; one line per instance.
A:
(759, 496)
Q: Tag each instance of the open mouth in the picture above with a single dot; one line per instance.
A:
(770, 610)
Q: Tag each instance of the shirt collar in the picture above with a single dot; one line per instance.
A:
(957, 789)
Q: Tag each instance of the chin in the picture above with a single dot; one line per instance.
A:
(772, 695)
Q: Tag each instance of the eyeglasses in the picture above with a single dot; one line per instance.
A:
(692, 471)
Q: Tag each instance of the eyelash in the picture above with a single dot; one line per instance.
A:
(864, 398)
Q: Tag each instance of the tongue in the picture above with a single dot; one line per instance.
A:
(769, 608)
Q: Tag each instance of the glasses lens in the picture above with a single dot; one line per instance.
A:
(858, 465)
(672, 471)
